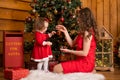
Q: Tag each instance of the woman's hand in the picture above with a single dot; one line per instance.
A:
(67, 36)
(61, 28)
(65, 50)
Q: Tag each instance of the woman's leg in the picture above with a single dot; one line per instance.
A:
(94, 70)
(58, 68)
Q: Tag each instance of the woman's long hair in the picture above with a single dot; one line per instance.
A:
(87, 22)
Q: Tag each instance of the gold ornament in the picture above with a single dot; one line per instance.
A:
(55, 11)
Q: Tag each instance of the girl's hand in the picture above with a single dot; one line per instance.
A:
(53, 33)
(49, 43)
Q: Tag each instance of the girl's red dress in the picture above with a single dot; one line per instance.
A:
(41, 51)
(81, 64)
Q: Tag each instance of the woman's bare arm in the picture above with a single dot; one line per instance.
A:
(86, 47)
(67, 36)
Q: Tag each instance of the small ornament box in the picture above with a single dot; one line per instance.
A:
(52, 63)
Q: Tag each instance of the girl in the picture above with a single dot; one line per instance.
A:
(85, 43)
(42, 48)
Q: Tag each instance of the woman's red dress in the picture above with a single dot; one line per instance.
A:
(81, 64)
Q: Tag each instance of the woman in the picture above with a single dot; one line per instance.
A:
(85, 43)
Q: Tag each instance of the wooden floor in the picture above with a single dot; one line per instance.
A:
(111, 75)
(108, 75)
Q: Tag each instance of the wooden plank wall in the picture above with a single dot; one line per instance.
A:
(107, 14)
(12, 16)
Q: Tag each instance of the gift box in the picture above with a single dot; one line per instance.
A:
(31, 65)
(51, 65)
(15, 74)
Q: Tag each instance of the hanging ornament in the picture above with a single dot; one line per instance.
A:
(73, 16)
(55, 11)
(65, 8)
(58, 33)
(33, 12)
(62, 7)
(50, 16)
(45, 5)
(28, 19)
(78, 8)
(62, 19)
(35, 1)
(69, 1)
(52, 2)
(62, 11)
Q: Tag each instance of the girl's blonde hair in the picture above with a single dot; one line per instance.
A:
(39, 23)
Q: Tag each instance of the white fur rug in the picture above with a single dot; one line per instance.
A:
(41, 75)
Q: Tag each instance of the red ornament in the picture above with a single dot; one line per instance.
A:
(33, 12)
(68, 0)
(28, 19)
(62, 19)
(58, 33)
(35, 1)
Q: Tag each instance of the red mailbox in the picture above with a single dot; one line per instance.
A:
(13, 49)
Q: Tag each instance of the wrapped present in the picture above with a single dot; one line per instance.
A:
(15, 74)
(52, 63)
(31, 65)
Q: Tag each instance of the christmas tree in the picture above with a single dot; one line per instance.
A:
(57, 12)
